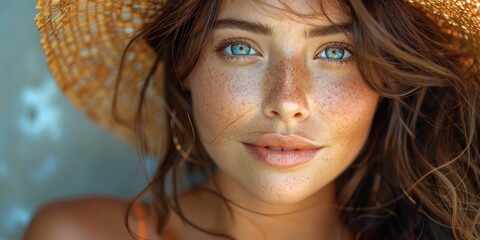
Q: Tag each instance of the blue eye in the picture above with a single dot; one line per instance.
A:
(239, 49)
(334, 53)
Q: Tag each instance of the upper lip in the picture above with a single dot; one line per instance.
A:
(284, 141)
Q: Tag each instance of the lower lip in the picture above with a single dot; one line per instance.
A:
(282, 159)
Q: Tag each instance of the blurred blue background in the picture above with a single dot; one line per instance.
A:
(48, 150)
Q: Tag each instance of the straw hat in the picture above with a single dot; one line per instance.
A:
(84, 40)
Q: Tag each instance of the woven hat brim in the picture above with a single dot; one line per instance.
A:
(83, 42)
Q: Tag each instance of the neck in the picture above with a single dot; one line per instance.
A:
(247, 217)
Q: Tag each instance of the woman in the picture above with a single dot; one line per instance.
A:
(293, 119)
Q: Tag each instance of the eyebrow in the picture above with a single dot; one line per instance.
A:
(321, 31)
(243, 25)
(259, 28)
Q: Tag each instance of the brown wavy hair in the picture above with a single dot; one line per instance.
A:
(418, 175)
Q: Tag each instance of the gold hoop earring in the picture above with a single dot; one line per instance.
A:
(174, 123)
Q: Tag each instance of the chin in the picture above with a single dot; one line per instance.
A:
(282, 198)
(282, 190)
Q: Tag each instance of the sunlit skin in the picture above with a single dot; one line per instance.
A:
(286, 78)
(270, 80)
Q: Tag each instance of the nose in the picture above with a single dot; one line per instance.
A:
(287, 86)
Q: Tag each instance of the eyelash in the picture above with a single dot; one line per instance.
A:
(340, 45)
(229, 41)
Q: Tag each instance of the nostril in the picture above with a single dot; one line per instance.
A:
(286, 111)
(275, 114)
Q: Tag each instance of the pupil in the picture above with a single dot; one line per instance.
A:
(335, 53)
(240, 49)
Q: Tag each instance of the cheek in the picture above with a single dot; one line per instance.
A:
(347, 105)
(221, 98)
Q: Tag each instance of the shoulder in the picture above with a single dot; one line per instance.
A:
(89, 218)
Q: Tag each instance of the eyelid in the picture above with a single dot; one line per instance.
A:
(348, 47)
(234, 40)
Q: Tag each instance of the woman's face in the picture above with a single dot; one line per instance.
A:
(278, 101)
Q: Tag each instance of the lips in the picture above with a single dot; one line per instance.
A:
(281, 148)
(282, 151)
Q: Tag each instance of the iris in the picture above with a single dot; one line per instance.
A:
(335, 53)
(239, 49)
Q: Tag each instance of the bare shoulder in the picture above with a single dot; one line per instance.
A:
(89, 218)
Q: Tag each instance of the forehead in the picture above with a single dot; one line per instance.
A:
(311, 12)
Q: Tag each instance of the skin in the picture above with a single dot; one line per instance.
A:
(283, 87)
(287, 86)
